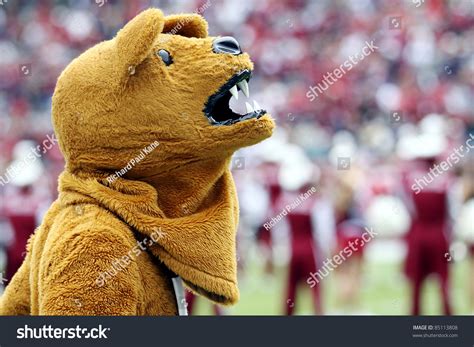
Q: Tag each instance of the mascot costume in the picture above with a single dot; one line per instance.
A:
(144, 123)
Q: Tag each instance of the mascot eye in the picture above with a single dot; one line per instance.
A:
(165, 56)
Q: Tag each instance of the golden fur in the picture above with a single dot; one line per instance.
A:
(110, 103)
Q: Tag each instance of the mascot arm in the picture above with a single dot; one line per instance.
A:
(92, 273)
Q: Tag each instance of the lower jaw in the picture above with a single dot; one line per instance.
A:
(245, 133)
(254, 115)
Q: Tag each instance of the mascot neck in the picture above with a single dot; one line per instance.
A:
(181, 193)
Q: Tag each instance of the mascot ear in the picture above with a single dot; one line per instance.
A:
(135, 40)
(189, 25)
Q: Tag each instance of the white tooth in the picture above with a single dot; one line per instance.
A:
(234, 92)
(249, 107)
(245, 87)
(256, 106)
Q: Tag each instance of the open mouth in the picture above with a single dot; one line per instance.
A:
(218, 109)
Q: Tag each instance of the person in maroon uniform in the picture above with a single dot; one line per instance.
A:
(427, 238)
(24, 198)
(22, 220)
(428, 185)
(303, 248)
(297, 204)
(269, 170)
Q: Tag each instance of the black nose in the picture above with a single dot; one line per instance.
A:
(226, 44)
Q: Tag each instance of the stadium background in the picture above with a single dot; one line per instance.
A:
(424, 65)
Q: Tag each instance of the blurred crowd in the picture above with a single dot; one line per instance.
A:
(365, 144)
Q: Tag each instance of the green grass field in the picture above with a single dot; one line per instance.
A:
(385, 292)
